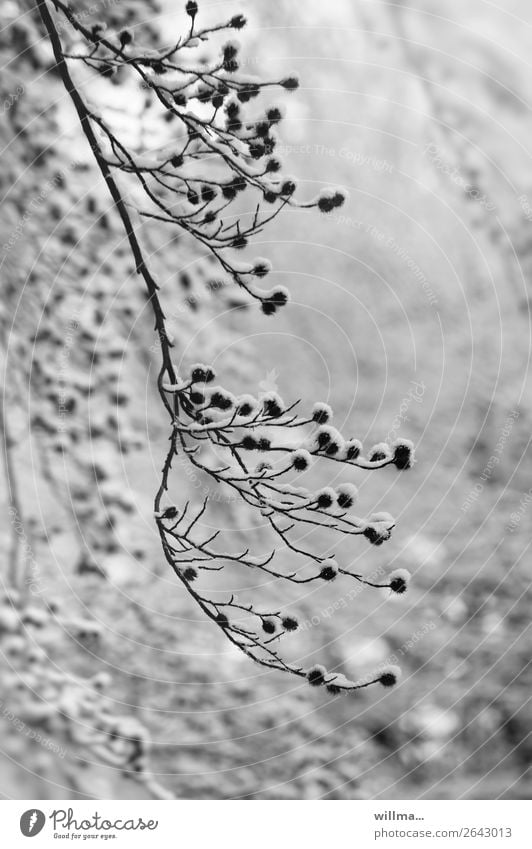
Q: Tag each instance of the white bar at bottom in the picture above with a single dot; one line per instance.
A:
(268, 824)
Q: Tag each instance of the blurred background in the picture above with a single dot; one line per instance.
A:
(410, 315)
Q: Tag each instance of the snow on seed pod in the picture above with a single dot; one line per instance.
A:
(278, 296)
(256, 150)
(324, 436)
(347, 494)
(390, 676)
(325, 498)
(273, 405)
(288, 187)
(274, 114)
(335, 448)
(403, 453)
(316, 675)
(321, 413)
(261, 267)
(301, 459)
(220, 399)
(289, 623)
(352, 449)
(329, 570)
(399, 580)
(377, 534)
(273, 165)
(246, 405)
(330, 199)
(201, 373)
(380, 452)
(261, 128)
(230, 50)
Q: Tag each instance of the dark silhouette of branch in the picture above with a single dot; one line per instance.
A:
(217, 156)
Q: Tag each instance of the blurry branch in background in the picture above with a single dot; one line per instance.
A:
(216, 157)
(451, 146)
(15, 574)
(12, 495)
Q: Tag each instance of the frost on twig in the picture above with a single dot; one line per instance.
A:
(219, 153)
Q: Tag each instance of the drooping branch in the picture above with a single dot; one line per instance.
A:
(175, 190)
(86, 125)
